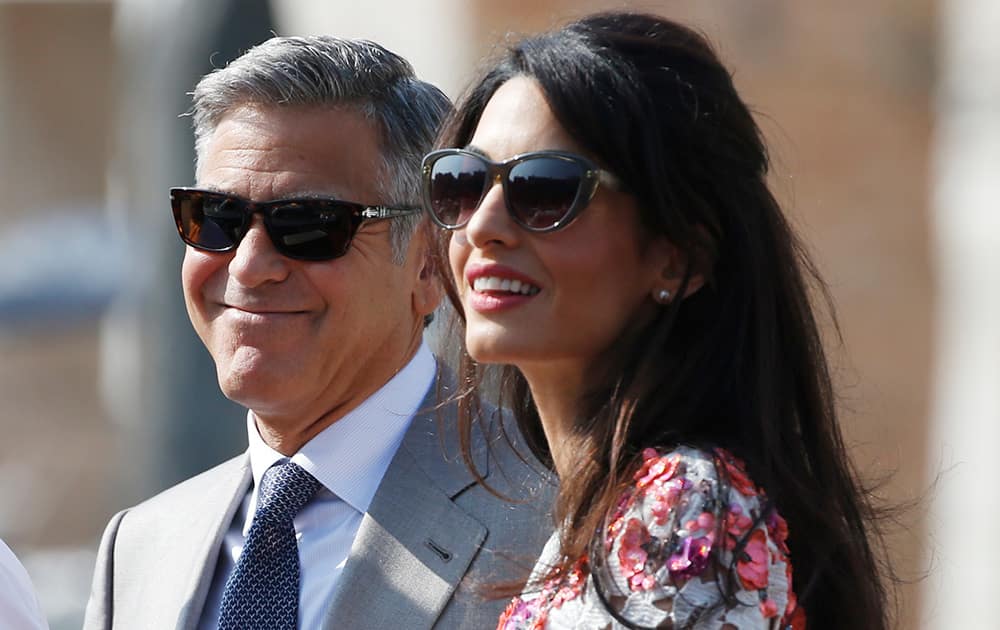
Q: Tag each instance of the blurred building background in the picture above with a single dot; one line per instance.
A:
(884, 121)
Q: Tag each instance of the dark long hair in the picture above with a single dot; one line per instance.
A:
(739, 363)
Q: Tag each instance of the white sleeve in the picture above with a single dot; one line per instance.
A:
(19, 607)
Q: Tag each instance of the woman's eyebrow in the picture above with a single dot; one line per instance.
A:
(474, 149)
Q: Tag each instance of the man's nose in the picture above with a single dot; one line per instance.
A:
(256, 261)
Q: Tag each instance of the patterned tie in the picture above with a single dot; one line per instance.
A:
(263, 591)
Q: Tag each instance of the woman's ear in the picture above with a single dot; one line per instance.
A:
(672, 264)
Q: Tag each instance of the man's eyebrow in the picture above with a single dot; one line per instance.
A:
(304, 195)
(313, 195)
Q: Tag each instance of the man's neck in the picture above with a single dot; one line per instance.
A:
(286, 433)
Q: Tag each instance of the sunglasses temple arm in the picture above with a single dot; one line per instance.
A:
(610, 180)
(383, 212)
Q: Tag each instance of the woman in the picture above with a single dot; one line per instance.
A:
(613, 242)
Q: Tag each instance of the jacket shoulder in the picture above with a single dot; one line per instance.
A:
(198, 486)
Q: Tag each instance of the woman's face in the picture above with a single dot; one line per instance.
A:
(579, 286)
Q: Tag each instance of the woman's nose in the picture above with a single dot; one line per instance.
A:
(491, 222)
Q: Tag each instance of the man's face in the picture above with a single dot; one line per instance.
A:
(296, 340)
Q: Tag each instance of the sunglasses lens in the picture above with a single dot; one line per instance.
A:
(541, 191)
(455, 187)
(314, 229)
(207, 221)
(311, 230)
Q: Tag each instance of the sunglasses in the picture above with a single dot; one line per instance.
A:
(303, 229)
(543, 190)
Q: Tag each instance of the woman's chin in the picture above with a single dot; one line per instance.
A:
(499, 348)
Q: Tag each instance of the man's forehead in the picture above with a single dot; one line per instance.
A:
(266, 153)
(250, 189)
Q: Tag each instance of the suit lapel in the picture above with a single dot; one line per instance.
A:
(186, 576)
(414, 544)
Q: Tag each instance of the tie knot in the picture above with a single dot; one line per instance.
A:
(284, 489)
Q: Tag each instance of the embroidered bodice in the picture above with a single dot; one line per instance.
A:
(692, 544)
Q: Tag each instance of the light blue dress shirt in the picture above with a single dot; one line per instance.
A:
(349, 458)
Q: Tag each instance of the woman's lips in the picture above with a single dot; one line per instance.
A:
(498, 284)
(495, 287)
(492, 302)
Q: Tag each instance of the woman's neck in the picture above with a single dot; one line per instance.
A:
(557, 392)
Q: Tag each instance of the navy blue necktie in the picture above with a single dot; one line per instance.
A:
(263, 591)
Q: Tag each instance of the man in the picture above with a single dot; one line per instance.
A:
(308, 282)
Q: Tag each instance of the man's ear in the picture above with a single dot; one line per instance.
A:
(427, 289)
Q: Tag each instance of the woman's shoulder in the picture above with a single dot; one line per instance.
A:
(686, 472)
(693, 538)
(692, 543)
(686, 477)
(673, 484)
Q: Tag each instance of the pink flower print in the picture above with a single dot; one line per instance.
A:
(508, 613)
(704, 522)
(563, 595)
(517, 613)
(737, 524)
(632, 556)
(577, 573)
(793, 602)
(797, 620)
(737, 473)
(752, 563)
(617, 520)
(777, 528)
(656, 469)
(642, 582)
(614, 529)
(692, 558)
(573, 584)
(540, 620)
(768, 608)
(624, 502)
(665, 498)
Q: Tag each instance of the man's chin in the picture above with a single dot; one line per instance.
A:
(253, 389)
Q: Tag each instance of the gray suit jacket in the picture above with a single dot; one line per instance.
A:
(431, 536)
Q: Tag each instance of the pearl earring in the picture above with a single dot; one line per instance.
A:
(662, 296)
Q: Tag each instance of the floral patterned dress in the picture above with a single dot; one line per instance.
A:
(689, 530)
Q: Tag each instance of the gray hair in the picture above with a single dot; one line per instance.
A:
(329, 71)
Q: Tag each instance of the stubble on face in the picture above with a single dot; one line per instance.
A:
(301, 343)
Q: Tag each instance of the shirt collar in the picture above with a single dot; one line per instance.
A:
(350, 456)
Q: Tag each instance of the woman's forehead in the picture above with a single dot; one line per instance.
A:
(518, 119)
